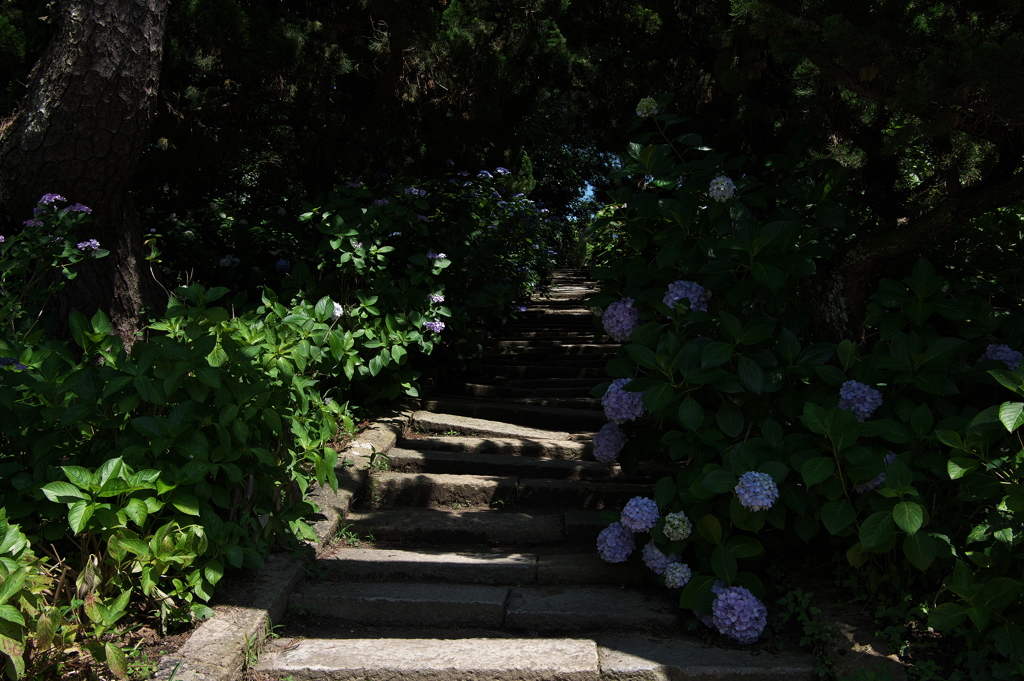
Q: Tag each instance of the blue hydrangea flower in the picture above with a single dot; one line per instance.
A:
(33, 223)
(757, 491)
(640, 514)
(90, 245)
(722, 189)
(1003, 353)
(380, 202)
(646, 107)
(677, 526)
(1, 238)
(484, 175)
(621, 406)
(435, 256)
(608, 442)
(874, 482)
(51, 198)
(282, 266)
(13, 363)
(437, 326)
(739, 614)
(615, 543)
(501, 171)
(690, 290)
(620, 319)
(79, 208)
(436, 298)
(677, 575)
(655, 559)
(859, 398)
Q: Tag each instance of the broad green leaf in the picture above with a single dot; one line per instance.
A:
(710, 528)
(719, 481)
(876, 529)
(186, 503)
(751, 375)
(691, 414)
(909, 516)
(116, 660)
(79, 514)
(1011, 414)
(920, 550)
(743, 546)
(837, 515)
(723, 563)
(817, 469)
(62, 492)
(715, 354)
(665, 492)
(659, 397)
(729, 419)
(1009, 640)
(946, 616)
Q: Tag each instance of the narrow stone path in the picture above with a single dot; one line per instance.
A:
(476, 554)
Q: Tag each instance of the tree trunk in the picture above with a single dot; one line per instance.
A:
(79, 132)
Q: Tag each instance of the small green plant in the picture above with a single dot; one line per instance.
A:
(347, 535)
(817, 636)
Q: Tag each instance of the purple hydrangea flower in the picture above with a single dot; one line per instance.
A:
(859, 398)
(422, 218)
(33, 223)
(520, 308)
(282, 266)
(615, 543)
(677, 526)
(437, 326)
(655, 559)
(436, 298)
(640, 514)
(13, 363)
(1, 238)
(677, 575)
(354, 184)
(380, 202)
(739, 614)
(722, 189)
(435, 256)
(78, 208)
(90, 245)
(757, 491)
(874, 482)
(608, 442)
(1003, 353)
(621, 406)
(51, 198)
(620, 319)
(690, 290)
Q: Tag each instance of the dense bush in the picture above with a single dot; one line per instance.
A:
(894, 450)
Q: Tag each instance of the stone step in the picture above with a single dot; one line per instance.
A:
(438, 422)
(558, 608)
(580, 336)
(512, 371)
(401, 460)
(554, 383)
(603, 657)
(546, 359)
(561, 449)
(535, 400)
(486, 390)
(473, 567)
(390, 489)
(588, 420)
(553, 347)
(477, 526)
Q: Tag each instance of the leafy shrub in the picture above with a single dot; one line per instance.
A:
(782, 438)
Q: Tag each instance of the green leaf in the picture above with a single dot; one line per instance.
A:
(1011, 414)
(691, 414)
(817, 469)
(659, 397)
(719, 481)
(62, 492)
(643, 356)
(958, 467)
(710, 528)
(1009, 640)
(887, 429)
(116, 660)
(946, 616)
(751, 375)
(837, 515)
(723, 564)
(665, 492)
(768, 276)
(729, 419)
(186, 503)
(847, 352)
(920, 550)
(922, 421)
(715, 354)
(743, 546)
(78, 515)
(815, 418)
(909, 516)
(876, 529)
(12, 584)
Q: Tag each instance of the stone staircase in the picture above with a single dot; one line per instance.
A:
(471, 553)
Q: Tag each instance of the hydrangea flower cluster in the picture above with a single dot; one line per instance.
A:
(1003, 353)
(739, 614)
(338, 312)
(51, 199)
(656, 560)
(646, 107)
(874, 482)
(413, 191)
(677, 575)
(13, 363)
(229, 261)
(859, 398)
(78, 208)
(608, 442)
(620, 319)
(435, 256)
(437, 326)
(380, 202)
(621, 406)
(615, 543)
(757, 491)
(640, 514)
(722, 189)
(436, 298)
(282, 266)
(89, 245)
(677, 526)
(690, 290)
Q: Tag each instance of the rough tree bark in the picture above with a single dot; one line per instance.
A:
(79, 132)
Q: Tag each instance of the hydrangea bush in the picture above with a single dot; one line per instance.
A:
(896, 449)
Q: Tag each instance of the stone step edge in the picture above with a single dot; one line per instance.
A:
(217, 649)
(511, 659)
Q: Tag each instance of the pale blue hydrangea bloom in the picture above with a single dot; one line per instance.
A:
(722, 189)
(757, 491)
(690, 290)
(621, 406)
(620, 319)
(859, 398)
(655, 559)
(437, 326)
(615, 543)
(677, 526)
(89, 245)
(338, 312)
(1003, 353)
(739, 614)
(51, 198)
(646, 107)
(436, 298)
(677, 575)
(608, 442)
(640, 514)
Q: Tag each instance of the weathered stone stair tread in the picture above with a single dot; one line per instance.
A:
(440, 461)
(461, 525)
(562, 449)
(469, 567)
(441, 422)
(535, 608)
(555, 346)
(577, 419)
(488, 390)
(471, 659)
(540, 371)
